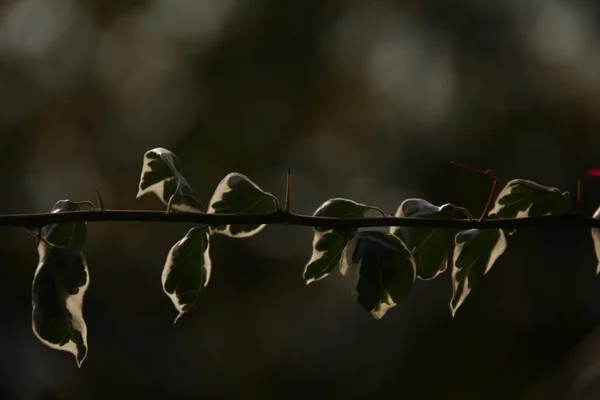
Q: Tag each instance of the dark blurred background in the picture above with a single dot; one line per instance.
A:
(368, 100)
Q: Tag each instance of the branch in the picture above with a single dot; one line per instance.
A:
(32, 221)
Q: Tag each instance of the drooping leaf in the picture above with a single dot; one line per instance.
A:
(428, 245)
(521, 198)
(341, 208)
(237, 194)
(475, 251)
(381, 270)
(161, 175)
(187, 269)
(596, 239)
(326, 255)
(59, 285)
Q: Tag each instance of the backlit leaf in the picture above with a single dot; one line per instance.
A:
(187, 269)
(381, 270)
(341, 208)
(521, 198)
(596, 239)
(237, 194)
(326, 255)
(161, 175)
(59, 285)
(328, 244)
(428, 245)
(475, 251)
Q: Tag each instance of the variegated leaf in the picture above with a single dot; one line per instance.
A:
(475, 252)
(161, 175)
(237, 194)
(187, 269)
(381, 270)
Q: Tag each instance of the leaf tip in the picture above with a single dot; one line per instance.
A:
(80, 361)
(377, 315)
(308, 281)
(177, 317)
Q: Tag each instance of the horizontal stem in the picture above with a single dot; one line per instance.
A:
(284, 218)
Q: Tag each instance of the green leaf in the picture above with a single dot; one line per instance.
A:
(596, 239)
(161, 175)
(328, 244)
(237, 194)
(475, 251)
(66, 235)
(521, 198)
(427, 245)
(59, 285)
(326, 255)
(342, 208)
(381, 270)
(187, 269)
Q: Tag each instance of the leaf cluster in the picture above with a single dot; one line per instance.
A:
(380, 267)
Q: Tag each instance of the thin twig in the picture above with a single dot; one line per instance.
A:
(492, 176)
(288, 191)
(491, 197)
(281, 218)
(579, 195)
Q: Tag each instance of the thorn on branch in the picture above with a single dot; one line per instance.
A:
(99, 200)
(288, 191)
(579, 195)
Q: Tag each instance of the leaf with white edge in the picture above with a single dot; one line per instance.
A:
(59, 285)
(161, 175)
(237, 194)
(475, 251)
(428, 245)
(596, 239)
(326, 255)
(342, 208)
(522, 198)
(187, 269)
(328, 244)
(381, 270)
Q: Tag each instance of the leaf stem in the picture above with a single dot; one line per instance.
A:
(169, 203)
(36, 233)
(466, 212)
(379, 210)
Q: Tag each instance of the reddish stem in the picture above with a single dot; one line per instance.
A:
(594, 173)
(470, 168)
(490, 200)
